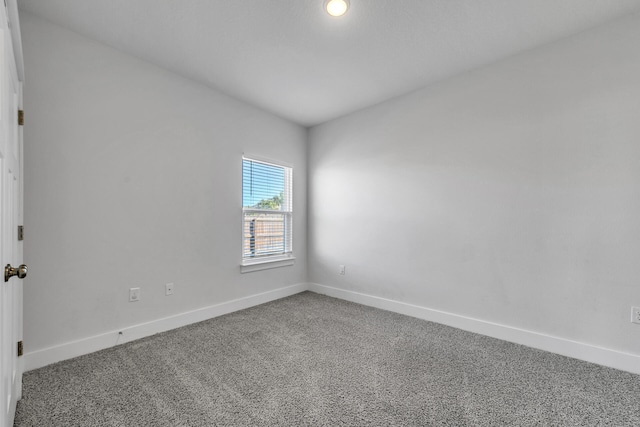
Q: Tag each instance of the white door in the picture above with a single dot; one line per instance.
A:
(10, 218)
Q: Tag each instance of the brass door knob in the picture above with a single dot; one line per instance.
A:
(9, 272)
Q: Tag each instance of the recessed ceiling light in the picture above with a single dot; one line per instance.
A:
(336, 7)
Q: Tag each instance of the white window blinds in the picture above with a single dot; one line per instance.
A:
(267, 210)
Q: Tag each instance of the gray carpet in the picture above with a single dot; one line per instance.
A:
(317, 361)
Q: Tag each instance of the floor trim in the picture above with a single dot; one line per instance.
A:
(577, 350)
(586, 352)
(39, 358)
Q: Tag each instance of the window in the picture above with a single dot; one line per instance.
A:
(267, 214)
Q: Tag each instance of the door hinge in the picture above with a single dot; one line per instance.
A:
(21, 117)
(20, 349)
(21, 232)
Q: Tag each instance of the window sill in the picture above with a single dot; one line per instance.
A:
(265, 264)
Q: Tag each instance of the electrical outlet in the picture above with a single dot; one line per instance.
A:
(635, 315)
(168, 289)
(134, 294)
(342, 271)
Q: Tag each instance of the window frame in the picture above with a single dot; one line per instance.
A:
(276, 260)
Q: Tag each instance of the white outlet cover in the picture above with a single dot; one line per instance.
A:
(134, 294)
(635, 315)
(168, 289)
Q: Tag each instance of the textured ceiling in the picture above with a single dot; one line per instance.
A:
(291, 58)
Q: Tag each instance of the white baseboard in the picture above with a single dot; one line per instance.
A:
(602, 356)
(577, 350)
(39, 358)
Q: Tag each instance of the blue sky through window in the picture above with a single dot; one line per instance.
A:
(260, 182)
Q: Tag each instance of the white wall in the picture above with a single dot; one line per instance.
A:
(133, 178)
(510, 194)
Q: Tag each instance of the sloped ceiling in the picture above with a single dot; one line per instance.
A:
(291, 58)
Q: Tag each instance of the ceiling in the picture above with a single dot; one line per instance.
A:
(291, 58)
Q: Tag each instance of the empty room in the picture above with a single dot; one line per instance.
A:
(320, 213)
